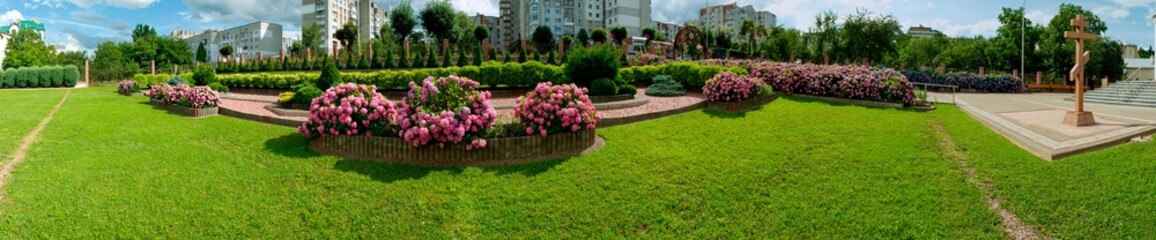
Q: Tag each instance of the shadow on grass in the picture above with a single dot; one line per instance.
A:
(291, 145)
(730, 115)
(391, 172)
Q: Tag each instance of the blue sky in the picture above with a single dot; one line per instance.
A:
(83, 24)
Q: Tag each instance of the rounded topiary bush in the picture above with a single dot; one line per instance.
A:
(71, 75)
(350, 109)
(305, 94)
(19, 77)
(204, 75)
(586, 65)
(665, 86)
(4, 80)
(216, 86)
(329, 77)
(551, 109)
(603, 87)
(625, 87)
(55, 76)
(730, 87)
(444, 111)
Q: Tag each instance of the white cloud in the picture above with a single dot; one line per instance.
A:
(232, 12)
(1134, 3)
(10, 16)
(982, 27)
(69, 43)
(1039, 17)
(1111, 12)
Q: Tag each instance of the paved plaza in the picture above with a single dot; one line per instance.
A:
(1034, 121)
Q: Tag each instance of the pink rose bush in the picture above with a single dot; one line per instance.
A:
(852, 82)
(183, 95)
(556, 108)
(127, 86)
(350, 109)
(444, 111)
(730, 87)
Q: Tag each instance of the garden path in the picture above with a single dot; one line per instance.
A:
(17, 156)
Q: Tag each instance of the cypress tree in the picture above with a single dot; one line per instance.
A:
(432, 61)
(462, 57)
(522, 56)
(478, 56)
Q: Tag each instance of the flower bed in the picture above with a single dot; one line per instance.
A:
(729, 92)
(1003, 83)
(741, 106)
(850, 82)
(184, 100)
(128, 88)
(498, 151)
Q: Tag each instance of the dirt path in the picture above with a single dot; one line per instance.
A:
(19, 154)
(1008, 221)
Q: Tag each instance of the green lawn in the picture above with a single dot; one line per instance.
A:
(20, 112)
(114, 167)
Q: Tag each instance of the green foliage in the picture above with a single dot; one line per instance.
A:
(550, 59)
(4, 81)
(583, 38)
(481, 33)
(305, 94)
(55, 76)
(347, 36)
(521, 56)
(587, 64)
(462, 57)
(216, 86)
(507, 57)
(603, 87)
(625, 88)
(619, 34)
(71, 76)
(598, 36)
(543, 38)
(446, 58)
(401, 19)
(438, 18)
(478, 57)
(176, 80)
(202, 54)
(204, 75)
(362, 64)
(388, 60)
(537, 57)
(417, 61)
(432, 60)
(329, 77)
(39, 77)
(27, 49)
(226, 51)
(665, 86)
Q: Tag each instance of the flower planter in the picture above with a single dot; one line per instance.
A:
(185, 111)
(741, 106)
(498, 151)
(611, 98)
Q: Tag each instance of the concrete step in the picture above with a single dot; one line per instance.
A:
(1120, 100)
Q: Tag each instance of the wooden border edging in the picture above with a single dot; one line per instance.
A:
(498, 151)
(259, 118)
(609, 122)
(741, 106)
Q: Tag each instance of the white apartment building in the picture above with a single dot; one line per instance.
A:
(632, 14)
(331, 15)
(249, 40)
(493, 24)
(667, 29)
(7, 33)
(732, 16)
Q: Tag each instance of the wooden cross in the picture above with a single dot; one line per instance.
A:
(1079, 117)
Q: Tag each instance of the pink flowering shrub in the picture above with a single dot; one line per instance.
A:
(199, 97)
(556, 108)
(350, 109)
(645, 59)
(445, 110)
(852, 82)
(183, 95)
(730, 87)
(127, 86)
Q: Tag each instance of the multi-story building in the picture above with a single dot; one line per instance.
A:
(493, 24)
(331, 15)
(507, 22)
(248, 41)
(667, 29)
(182, 34)
(6, 33)
(632, 14)
(371, 17)
(921, 31)
(732, 16)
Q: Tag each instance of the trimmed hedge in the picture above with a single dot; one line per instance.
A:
(40, 77)
(1004, 83)
(691, 75)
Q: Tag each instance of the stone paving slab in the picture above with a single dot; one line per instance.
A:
(1033, 121)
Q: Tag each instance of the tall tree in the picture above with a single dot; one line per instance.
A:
(753, 32)
(26, 49)
(869, 36)
(402, 20)
(543, 39)
(110, 63)
(825, 34)
(1058, 53)
(202, 54)
(619, 34)
(347, 36)
(599, 36)
(583, 37)
(438, 18)
(649, 33)
(481, 33)
(311, 37)
(226, 51)
(1008, 40)
(143, 31)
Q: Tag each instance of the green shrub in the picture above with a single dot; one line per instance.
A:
(402, 61)
(461, 57)
(550, 59)
(626, 88)
(176, 80)
(43, 76)
(478, 58)
(4, 82)
(216, 86)
(417, 62)
(388, 60)
(587, 64)
(305, 94)
(204, 76)
(603, 87)
(19, 77)
(521, 56)
(329, 77)
(56, 74)
(432, 59)
(507, 57)
(665, 86)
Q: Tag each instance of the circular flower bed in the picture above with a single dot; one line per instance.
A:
(350, 109)
(556, 108)
(445, 110)
(730, 87)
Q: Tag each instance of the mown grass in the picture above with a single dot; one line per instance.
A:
(1109, 194)
(20, 112)
(114, 167)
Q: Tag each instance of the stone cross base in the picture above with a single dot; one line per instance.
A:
(1079, 119)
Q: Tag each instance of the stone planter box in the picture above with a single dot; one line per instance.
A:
(498, 151)
(611, 98)
(741, 106)
(185, 111)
